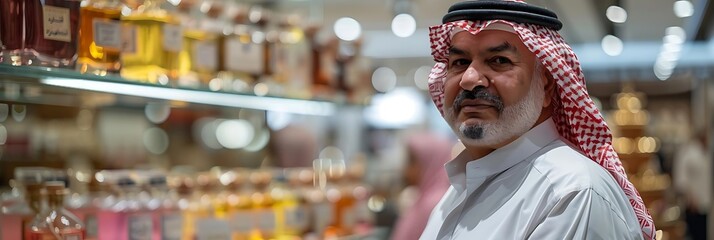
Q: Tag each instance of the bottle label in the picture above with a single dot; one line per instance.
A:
(244, 57)
(242, 222)
(56, 23)
(40, 235)
(295, 217)
(90, 222)
(349, 219)
(206, 55)
(323, 215)
(73, 236)
(171, 226)
(173, 37)
(140, 227)
(107, 33)
(128, 39)
(266, 219)
(212, 229)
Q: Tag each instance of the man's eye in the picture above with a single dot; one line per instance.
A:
(501, 60)
(459, 62)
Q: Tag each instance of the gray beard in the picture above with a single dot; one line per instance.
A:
(513, 121)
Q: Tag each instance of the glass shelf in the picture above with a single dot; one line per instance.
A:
(43, 85)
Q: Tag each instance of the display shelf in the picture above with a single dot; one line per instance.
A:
(54, 86)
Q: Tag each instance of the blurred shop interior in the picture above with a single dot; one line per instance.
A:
(292, 119)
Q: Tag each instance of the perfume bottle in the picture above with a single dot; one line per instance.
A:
(11, 28)
(244, 58)
(36, 226)
(262, 205)
(198, 60)
(51, 28)
(291, 58)
(239, 205)
(100, 38)
(100, 201)
(153, 40)
(163, 205)
(61, 222)
(24, 201)
(286, 207)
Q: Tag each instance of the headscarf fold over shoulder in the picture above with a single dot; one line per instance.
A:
(575, 114)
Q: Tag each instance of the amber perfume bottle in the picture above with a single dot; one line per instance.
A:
(154, 40)
(51, 28)
(100, 37)
(11, 31)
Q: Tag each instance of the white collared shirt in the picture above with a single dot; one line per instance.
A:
(536, 187)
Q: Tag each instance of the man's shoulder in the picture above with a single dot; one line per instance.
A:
(566, 169)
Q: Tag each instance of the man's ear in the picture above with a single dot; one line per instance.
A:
(549, 86)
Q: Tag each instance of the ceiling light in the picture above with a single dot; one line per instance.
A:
(403, 25)
(347, 29)
(683, 8)
(676, 31)
(612, 45)
(616, 14)
(421, 77)
(384, 79)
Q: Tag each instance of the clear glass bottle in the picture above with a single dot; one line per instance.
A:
(244, 57)
(128, 218)
(286, 207)
(239, 205)
(96, 200)
(62, 223)
(153, 42)
(17, 206)
(262, 205)
(184, 187)
(100, 39)
(198, 60)
(164, 208)
(291, 58)
(51, 32)
(11, 36)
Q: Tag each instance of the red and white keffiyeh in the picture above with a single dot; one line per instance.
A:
(575, 114)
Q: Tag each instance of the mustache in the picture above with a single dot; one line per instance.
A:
(478, 93)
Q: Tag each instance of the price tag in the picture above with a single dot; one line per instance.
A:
(266, 220)
(56, 23)
(212, 229)
(171, 226)
(296, 217)
(206, 55)
(107, 33)
(323, 215)
(244, 57)
(90, 223)
(128, 39)
(74, 236)
(173, 37)
(140, 227)
(242, 222)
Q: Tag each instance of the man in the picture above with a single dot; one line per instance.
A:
(692, 179)
(538, 162)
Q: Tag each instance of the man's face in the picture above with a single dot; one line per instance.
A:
(493, 92)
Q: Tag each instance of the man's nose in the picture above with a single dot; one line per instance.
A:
(473, 78)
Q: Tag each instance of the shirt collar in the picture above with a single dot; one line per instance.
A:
(465, 172)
